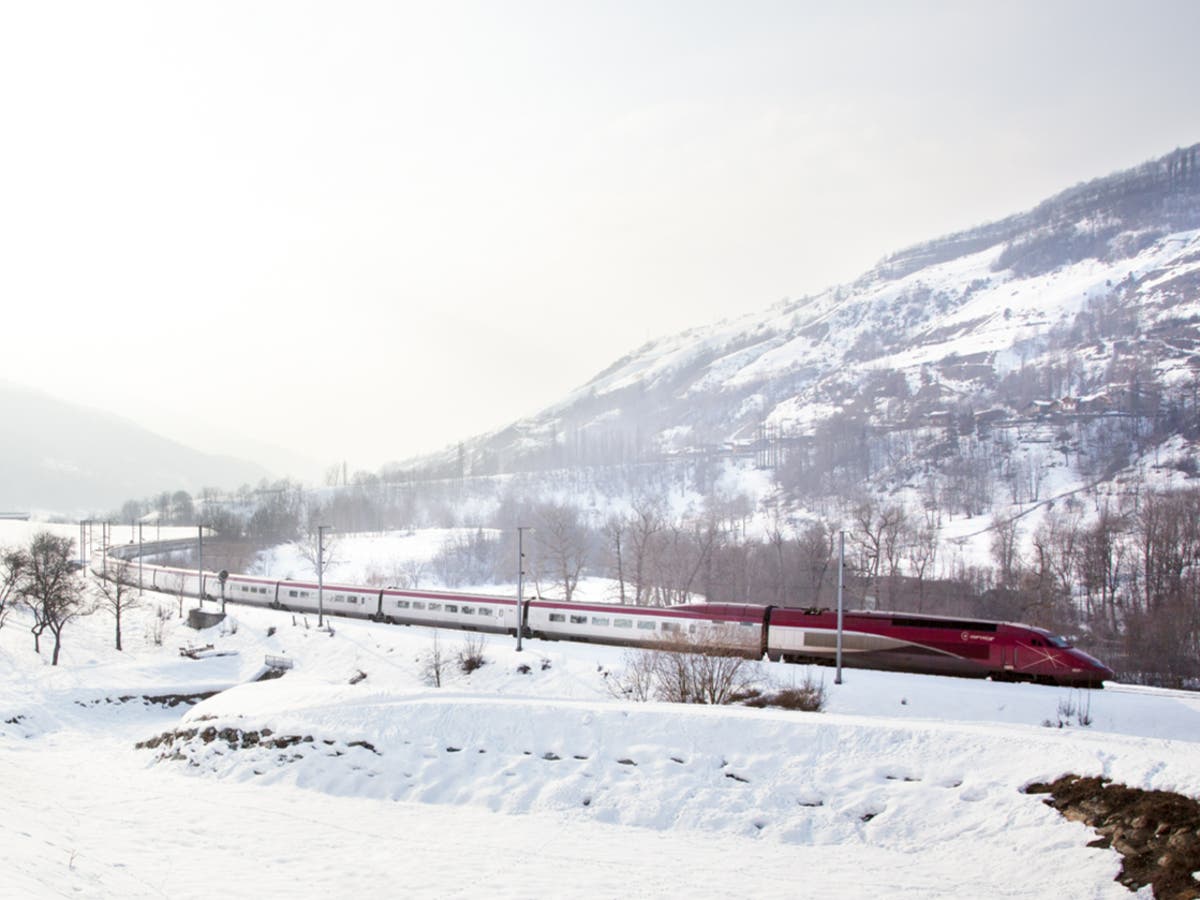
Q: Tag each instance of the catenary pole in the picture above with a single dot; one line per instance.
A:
(321, 529)
(200, 566)
(520, 583)
(837, 679)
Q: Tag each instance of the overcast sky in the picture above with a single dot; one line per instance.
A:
(366, 230)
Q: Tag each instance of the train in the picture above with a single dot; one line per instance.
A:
(894, 641)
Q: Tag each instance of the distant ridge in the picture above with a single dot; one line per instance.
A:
(57, 456)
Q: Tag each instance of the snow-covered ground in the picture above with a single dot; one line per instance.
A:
(352, 773)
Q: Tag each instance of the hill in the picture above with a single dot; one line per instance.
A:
(62, 457)
(1084, 310)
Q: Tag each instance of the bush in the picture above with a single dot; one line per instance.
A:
(470, 654)
(807, 697)
(433, 663)
(712, 666)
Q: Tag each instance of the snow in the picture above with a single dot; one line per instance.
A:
(539, 783)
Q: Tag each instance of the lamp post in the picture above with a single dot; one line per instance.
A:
(321, 529)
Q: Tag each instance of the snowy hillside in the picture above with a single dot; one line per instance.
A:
(352, 773)
(1084, 308)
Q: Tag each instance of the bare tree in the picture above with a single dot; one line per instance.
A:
(777, 536)
(876, 533)
(920, 551)
(815, 545)
(647, 522)
(320, 553)
(12, 566)
(118, 593)
(1005, 546)
(614, 536)
(562, 545)
(434, 663)
(52, 588)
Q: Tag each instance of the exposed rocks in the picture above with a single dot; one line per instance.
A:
(234, 738)
(1156, 832)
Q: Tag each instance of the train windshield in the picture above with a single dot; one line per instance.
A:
(1057, 641)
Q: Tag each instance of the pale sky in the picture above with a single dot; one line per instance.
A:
(365, 230)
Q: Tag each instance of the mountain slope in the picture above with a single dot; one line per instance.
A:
(67, 458)
(1088, 304)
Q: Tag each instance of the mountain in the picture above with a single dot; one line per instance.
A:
(1073, 327)
(66, 458)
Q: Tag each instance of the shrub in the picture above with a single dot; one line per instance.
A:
(433, 663)
(470, 654)
(711, 666)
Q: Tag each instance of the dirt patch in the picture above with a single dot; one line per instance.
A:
(1157, 833)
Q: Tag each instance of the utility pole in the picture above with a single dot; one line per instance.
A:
(520, 583)
(321, 529)
(200, 568)
(139, 559)
(841, 584)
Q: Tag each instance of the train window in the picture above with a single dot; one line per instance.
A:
(468, 610)
(339, 598)
(670, 626)
(292, 593)
(578, 620)
(450, 607)
(484, 611)
(401, 604)
(950, 624)
(418, 604)
(645, 625)
(623, 623)
(1058, 641)
(557, 617)
(599, 620)
(434, 607)
(1037, 642)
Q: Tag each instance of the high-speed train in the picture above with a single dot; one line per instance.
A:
(876, 640)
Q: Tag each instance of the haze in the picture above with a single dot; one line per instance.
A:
(363, 231)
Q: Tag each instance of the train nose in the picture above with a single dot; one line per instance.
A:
(1095, 669)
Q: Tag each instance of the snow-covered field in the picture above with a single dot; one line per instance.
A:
(351, 773)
